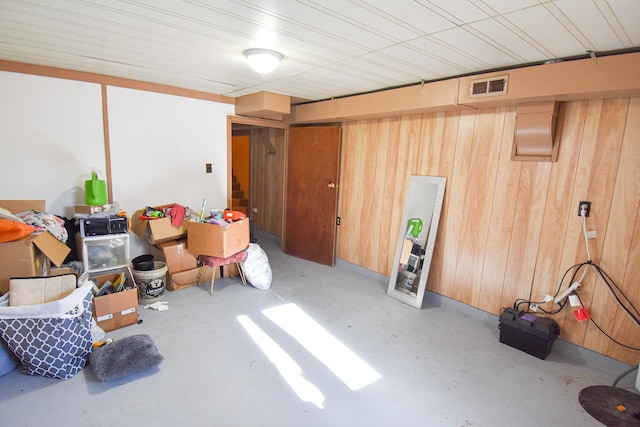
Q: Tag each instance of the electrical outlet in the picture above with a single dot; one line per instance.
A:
(591, 234)
(586, 206)
(533, 306)
(337, 220)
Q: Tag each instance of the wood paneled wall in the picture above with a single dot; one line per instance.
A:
(267, 178)
(509, 229)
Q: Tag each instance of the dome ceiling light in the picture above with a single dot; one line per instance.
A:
(263, 61)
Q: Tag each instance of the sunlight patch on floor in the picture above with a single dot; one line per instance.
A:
(344, 363)
(288, 368)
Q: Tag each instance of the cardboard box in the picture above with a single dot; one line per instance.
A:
(18, 206)
(29, 257)
(88, 209)
(193, 277)
(177, 257)
(216, 240)
(157, 230)
(33, 255)
(199, 276)
(118, 309)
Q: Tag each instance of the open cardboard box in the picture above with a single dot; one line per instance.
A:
(113, 311)
(194, 277)
(200, 276)
(216, 240)
(157, 230)
(183, 267)
(30, 256)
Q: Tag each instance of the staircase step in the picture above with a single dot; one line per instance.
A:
(239, 202)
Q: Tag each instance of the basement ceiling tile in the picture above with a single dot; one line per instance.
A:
(392, 72)
(626, 14)
(460, 12)
(314, 21)
(541, 26)
(589, 25)
(366, 76)
(506, 6)
(519, 47)
(428, 65)
(465, 41)
(360, 15)
(412, 14)
(458, 59)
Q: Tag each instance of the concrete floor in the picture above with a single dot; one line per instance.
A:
(439, 366)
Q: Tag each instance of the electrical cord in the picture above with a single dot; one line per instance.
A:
(610, 284)
(624, 374)
(613, 339)
(584, 231)
(631, 310)
(518, 302)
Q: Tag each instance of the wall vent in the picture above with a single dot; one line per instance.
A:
(492, 86)
(535, 136)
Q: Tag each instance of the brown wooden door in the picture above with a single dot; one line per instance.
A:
(313, 161)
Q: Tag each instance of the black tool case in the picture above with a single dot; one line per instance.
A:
(528, 332)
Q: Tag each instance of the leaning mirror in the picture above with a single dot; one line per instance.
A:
(417, 237)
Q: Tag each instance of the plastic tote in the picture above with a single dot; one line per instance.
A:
(95, 191)
(51, 339)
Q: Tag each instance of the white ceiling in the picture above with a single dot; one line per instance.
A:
(331, 48)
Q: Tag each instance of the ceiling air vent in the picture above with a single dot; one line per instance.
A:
(492, 86)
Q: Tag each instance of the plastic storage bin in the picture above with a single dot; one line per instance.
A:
(102, 253)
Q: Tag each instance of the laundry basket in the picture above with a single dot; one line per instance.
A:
(52, 339)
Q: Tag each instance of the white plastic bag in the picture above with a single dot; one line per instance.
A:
(256, 268)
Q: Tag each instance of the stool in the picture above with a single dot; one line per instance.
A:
(237, 258)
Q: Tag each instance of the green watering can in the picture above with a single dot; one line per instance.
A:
(414, 227)
(95, 191)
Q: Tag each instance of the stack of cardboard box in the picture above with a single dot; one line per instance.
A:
(181, 246)
(36, 256)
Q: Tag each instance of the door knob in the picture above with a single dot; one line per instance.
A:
(331, 185)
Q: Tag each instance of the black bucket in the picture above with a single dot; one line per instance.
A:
(143, 262)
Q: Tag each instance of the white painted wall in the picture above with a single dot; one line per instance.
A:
(159, 147)
(51, 139)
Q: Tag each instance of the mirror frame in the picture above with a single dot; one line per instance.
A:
(414, 182)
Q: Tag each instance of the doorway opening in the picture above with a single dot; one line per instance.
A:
(256, 171)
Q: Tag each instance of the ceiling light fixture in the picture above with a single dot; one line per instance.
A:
(263, 61)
